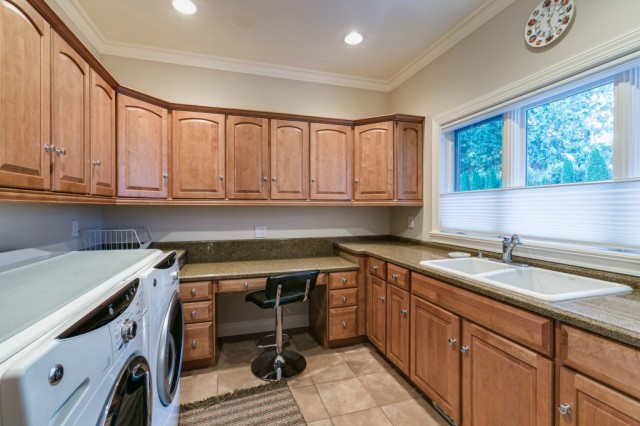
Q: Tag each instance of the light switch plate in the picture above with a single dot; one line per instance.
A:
(411, 222)
(260, 231)
(74, 228)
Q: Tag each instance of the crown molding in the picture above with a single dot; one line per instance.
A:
(472, 22)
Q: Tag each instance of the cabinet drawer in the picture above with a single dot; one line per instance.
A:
(398, 276)
(197, 341)
(242, 285)
(378, 268)
(346, 297)
(192, 292)
(197, 312)
(529, 329)
(323, 279)
(343, 322)
(338, 280)
(611, 362)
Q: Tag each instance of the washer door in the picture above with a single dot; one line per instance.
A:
(130, 400)
(170, 352)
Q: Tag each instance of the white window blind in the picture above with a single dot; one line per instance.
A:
(605, 214)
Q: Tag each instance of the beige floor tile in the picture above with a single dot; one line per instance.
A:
(328, 368)
(196, 388)
(370, 417)
(307, 346)
(310, 403)
(237, 357)
(363, 362)
(345, 396)
(385, 388)
(237, 378)
(413, 412)
(304, 379)
(325, 422)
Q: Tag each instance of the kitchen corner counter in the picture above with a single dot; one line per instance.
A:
(616, 317)
(260, 268)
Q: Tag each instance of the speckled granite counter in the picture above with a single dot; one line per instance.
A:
(260, 268)
(617, 317)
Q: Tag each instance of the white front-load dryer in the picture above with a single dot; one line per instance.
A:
(165, 337)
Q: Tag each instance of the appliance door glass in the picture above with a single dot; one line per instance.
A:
(130, 400)
(170, 355)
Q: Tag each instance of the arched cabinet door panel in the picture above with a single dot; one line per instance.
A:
(247, 158)
(331, 162)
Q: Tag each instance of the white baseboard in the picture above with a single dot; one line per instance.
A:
(257, 326)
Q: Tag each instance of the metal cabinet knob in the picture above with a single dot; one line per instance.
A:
(374, 267)
(356, 181)
(273, 178)
(61, 151)
(96, 162)
(404, 311)
(344, 324)
(344, 298)
(313, 180)
(394, 276)
(452, 341)
(344, 280)
(193, 314)
(165, 176)
(564, 408)
(221, 177)
(193, 292)
(264, 178)
(381, 299)
(246, 285)
(194, 344)
(465, 349)
(49, 148)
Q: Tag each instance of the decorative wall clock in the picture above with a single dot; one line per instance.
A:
(548, 21)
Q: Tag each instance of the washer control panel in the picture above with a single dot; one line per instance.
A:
(130, 319)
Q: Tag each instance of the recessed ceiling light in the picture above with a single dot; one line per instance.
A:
(184, 6)
(353, 38)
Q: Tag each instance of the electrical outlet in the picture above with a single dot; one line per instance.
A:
(411, 223)
(74, 228)
(261, 231)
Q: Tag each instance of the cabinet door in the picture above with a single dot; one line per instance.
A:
(331, 158)
(198, 153)
(503, 383)
(247, 158)
(408, 158)
(588, 403)
(25, 57)
(69, 118)
(103, 137)
(289, 160)
(398, 327)
(142, 149)
(377, 312)
(373, 164)
(435, 358)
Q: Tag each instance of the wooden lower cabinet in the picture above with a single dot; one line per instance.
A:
(198, 342)
(198, 311)
(397, 345)
(435, 356)
(377, 312)
(503, 383)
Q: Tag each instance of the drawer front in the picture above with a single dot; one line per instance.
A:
(339, 280)
(346, 297)
(378, 268)
(193, 292)
(398, 276)
(197, 341)
(197, 312)
(343, 322)
(611, 362)
(529, 329)
(323, 279)
(246, 284)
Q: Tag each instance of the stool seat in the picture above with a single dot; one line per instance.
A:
(281, 290)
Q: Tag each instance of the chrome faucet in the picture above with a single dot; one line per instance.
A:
(508, 244)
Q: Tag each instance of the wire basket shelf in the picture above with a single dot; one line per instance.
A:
(138, 237)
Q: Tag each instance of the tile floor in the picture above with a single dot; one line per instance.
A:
(346, 386)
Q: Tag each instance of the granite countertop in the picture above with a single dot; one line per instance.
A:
(261, 268)
(617, 317)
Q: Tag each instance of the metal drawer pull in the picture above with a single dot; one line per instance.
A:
(564, 408)
(49, 148)
(404, 311)
(194, 344)
(394, 276)
(375, 267)
(61, 151)
(344, 280)
(452, 341)
(344, 324)
(246, 285)
(344, 298)
(465, 349)
(193, 314)
(381, 299)
(221, 177)
(96, 162)
(193, 292)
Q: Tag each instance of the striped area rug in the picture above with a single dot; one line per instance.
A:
(270, 404)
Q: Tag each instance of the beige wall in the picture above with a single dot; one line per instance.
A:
(493, 57)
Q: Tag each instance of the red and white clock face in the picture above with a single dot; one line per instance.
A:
(548, 21)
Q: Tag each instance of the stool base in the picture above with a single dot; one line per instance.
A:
(272, 366)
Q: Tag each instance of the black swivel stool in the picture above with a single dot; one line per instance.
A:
(281, 290)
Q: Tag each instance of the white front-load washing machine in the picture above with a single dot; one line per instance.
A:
(165, 336)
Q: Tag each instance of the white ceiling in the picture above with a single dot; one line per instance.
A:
(299, 39)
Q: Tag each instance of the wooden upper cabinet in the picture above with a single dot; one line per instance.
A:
(289, 160)
(25, 114)
(408, 161)
(331, 158)
(142, 149)
(103, 137)
(247, 158)
(198, 154)
(373, 164)
(69, 118)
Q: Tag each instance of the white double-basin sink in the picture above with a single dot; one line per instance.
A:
(538, 283)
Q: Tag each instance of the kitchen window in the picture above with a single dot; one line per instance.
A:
(560, 166)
